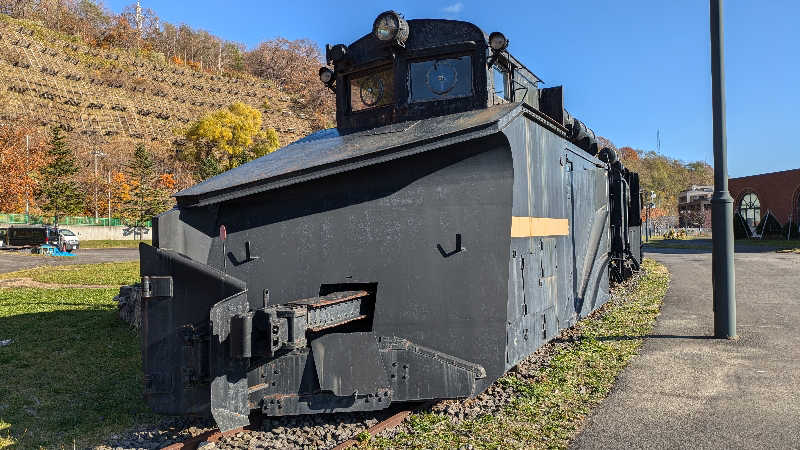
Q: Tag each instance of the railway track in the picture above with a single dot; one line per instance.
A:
(214, 436)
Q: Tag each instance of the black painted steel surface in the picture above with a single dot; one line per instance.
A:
(417, 259)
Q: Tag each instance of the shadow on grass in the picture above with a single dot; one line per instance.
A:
(651, 336)
(73, 371)
(633, 338)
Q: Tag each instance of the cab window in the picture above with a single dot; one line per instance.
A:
(372, 90)
(440, 79)
(500, 79)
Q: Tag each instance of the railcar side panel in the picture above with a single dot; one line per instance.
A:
(558, 266)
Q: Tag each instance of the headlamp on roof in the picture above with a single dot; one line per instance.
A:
(390, 26)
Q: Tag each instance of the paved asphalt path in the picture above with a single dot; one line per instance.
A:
(686, 390)
(10, 262)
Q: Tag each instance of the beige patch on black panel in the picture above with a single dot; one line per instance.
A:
(538, 226)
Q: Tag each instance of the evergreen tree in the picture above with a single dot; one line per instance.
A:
(147, 197)
(58, 193)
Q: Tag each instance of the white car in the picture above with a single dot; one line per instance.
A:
(69, 239)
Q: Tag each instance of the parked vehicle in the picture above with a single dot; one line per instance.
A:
(32, 235)
(68, 240)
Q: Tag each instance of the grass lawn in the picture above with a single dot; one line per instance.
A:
(108, 243)
(107, 274)
(705, 243)
(549, 408)
(72, 374)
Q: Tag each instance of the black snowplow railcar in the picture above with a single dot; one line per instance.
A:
(456, 220)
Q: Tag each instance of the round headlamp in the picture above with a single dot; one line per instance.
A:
(390, 26)
(338, 52)
(497, 41)
(325, 75)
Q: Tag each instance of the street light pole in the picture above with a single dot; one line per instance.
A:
(95, 185)
(721, 202)
(96, 153)
(27, 181)
(109, 197)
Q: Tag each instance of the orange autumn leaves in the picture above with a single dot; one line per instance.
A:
(19, 166)
(122, 185)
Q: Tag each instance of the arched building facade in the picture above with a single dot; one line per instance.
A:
(778, 192)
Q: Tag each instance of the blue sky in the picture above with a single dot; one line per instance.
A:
(629, 67)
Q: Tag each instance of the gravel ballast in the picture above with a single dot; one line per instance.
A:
(328, 430)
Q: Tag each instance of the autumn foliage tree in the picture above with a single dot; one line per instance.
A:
(227, 138)
(58, 192)
(665, 176)
(20, 161)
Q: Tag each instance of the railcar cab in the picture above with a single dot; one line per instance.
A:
(411, 70)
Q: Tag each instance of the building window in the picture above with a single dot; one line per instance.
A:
(797, 207)
(750, 209)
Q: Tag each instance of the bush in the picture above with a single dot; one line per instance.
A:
(672, 234)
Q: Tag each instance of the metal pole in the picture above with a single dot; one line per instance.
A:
(28, 186)
(721, 202)
(109, 197)
(95, 185)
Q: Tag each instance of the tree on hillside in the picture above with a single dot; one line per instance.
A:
(59, 192)
(227, 138)
(664, 175)
(20, 161)
(146, 193)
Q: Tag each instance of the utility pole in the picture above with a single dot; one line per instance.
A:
(96, 153)
(139, 20)
(28, 184)
(721, 201)
(658, 141)
(109, 197)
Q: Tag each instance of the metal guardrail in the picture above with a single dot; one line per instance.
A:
(11, 218)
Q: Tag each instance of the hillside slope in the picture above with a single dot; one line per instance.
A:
(111, 99)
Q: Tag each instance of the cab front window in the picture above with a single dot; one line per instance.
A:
(372, 90)
(440, 79)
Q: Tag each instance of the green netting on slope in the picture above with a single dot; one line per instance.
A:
(11, 218)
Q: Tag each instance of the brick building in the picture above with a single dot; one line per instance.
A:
(778, 192)
(694, 206)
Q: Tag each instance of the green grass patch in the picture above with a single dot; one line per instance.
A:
(72, 374)
(111, 243)
(549, 407)
(107, 274)
(739, 244)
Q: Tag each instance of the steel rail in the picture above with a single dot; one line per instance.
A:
(390, 422)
